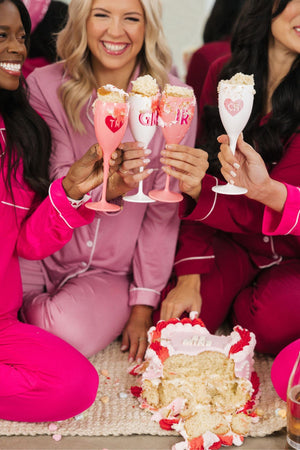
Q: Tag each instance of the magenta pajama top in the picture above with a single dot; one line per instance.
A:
(49, 227)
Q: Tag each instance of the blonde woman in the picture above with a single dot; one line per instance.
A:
(107, 280)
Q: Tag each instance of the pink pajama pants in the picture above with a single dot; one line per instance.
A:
(42, 378)
(89, 311)
(266, 301)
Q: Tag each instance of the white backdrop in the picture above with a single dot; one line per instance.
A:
(183, 24)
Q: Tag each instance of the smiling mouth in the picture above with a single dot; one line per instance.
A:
(13, 68)
(114, 49)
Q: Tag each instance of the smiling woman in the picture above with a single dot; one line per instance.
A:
(107, 279)
(35, 366)
(13, 49)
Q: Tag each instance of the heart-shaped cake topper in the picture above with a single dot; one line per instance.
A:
(233, 106)
(113, 123)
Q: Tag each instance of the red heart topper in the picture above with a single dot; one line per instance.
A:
(114, 123)
(233, 106)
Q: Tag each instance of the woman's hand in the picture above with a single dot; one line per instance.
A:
(134, 336)
(188, 165)
(247, 169)
(87, 173)
(134, 156)
(185, 297)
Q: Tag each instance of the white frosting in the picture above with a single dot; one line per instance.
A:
(187, 339)
(209, 439)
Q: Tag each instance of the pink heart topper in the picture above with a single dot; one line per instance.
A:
(233, 106)
(113, 123)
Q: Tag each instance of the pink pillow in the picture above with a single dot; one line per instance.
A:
(283, 366)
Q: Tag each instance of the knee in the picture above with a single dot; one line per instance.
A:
(79, 389)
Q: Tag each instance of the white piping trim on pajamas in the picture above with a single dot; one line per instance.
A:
(144, 289)
(214, 202)
(295, 224)
(15, 206)
(3, 138)
(60, 214)
(194, 258)
(278, 261)
(73, 275)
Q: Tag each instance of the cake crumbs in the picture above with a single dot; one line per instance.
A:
(280, 412)
(104, 399)
(57, 437)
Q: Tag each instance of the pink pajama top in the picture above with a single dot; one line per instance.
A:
(47, 229)
(140, 240)
(268, 236)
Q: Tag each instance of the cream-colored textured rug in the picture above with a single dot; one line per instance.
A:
(116, 412)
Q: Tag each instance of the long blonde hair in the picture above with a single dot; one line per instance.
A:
(154, 58)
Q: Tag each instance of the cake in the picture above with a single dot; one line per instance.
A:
(178, 91)
(145, 85)
(199, 384)
(239, 79)
(111, 94)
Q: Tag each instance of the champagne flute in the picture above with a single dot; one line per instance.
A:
(235, 103)
(110, 122)
(142, 121)
(174, 116)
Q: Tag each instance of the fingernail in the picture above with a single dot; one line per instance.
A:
(148, 151)
(231, 181)
(232, 173)
(146, 161)
(149, 170)
(130, 360)
(123, 348)
(139, 360)
(236, 166)
(141, 145)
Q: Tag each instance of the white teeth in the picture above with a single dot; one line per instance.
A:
(114, 47)
(11, 67)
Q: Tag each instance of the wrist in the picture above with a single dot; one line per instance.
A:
(192, 280)
(144, 310)
(273, 195)
(71, 190)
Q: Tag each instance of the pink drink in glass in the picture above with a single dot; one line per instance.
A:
(110, 125)
(175, 117)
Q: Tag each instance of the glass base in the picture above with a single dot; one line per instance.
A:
(229, 189)
(138, 198)
(103, 206)
(165, 196)
(293, 444)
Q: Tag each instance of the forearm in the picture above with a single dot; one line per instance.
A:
(273, 194)
(192, 281)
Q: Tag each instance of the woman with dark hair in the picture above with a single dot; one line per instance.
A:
(238, 251)
(216, 36)
(41, 376)
(48, 17)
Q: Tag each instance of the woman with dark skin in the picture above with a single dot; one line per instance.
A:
(41, 376)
